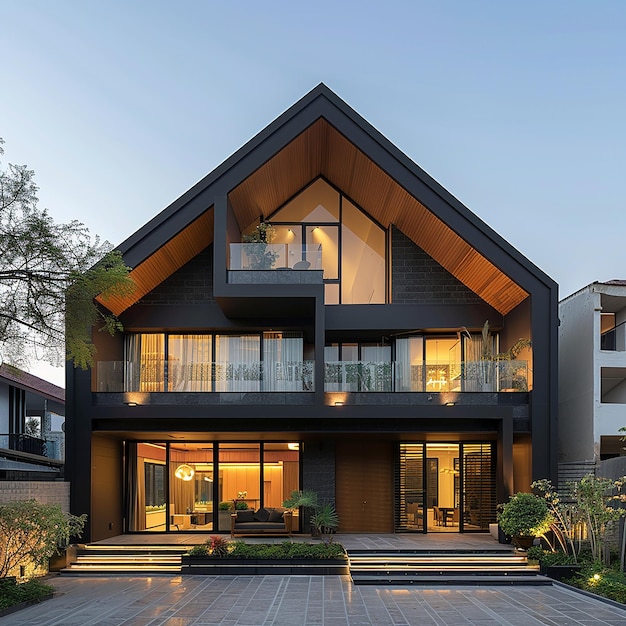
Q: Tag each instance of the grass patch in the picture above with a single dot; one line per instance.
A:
(13, 594)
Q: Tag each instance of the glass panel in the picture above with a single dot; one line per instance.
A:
(409, 364)
(281, 474)
(362, 258)
(331, 293)
(410, 513)
(239, 480)
(189, 363)
(443, 487)
(319, 202)
(145, 358)
(479, 486)
(438, 366)
(146, 478)
(283, 367)
(238, 363)
(191, 486)
(326, 238)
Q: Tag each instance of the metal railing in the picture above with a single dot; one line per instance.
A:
(23, 443)
(614, 339)
(159, 375)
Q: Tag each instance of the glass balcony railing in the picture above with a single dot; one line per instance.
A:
(298, 376)
(161, 376)
(274, 256)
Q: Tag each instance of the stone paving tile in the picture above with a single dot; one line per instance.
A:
(306, 601)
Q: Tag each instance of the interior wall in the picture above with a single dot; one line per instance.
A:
(106, 488)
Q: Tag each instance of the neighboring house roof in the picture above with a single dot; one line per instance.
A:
(321, 136)
(29, 382)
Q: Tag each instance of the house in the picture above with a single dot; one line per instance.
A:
(32, 438)
(592, 375)
(316, 313)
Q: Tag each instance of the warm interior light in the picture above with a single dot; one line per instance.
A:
(184, 472)
(293, 446)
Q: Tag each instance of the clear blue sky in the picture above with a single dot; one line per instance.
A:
(518, 109)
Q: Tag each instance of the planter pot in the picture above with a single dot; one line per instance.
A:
(207, 565)
(523, 542)
(560, 572)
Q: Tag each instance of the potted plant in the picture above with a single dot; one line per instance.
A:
(325, 522)
(304, 500)
(524, 517)
(260, 254)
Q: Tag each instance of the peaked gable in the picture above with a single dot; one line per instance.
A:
(321, 135)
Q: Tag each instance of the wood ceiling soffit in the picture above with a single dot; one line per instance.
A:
(322, 150)
(164, 262)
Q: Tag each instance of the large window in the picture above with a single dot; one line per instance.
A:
(269, 361)
(196, 486)
(352, 245)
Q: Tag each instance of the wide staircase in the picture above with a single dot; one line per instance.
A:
(443, 567)
(125, 560)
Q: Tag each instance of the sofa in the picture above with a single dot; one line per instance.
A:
(264, 521)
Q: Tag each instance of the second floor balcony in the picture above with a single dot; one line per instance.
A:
(160, 376)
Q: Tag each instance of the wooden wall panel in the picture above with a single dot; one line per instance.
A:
(364, 486)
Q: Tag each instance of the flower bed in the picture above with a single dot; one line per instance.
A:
(218, 557)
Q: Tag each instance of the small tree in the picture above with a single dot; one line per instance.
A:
(40, 263)
(31, 532)
(563, 515)
(595, 499)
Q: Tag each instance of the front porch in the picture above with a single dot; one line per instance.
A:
(378, 541)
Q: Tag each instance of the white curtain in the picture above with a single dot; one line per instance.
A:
(237, 363)
(189, 363)
(409, 364)
(283, 361)
(145, 362)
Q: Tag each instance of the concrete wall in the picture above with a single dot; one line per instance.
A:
(48, 492)
(579, 326)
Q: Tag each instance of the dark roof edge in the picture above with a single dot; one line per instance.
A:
(321, 90)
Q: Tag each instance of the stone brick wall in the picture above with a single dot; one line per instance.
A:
(418, 279)
(191, 283)
(45, 492)
(318, 469)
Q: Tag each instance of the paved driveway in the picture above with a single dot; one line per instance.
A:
(304, 600)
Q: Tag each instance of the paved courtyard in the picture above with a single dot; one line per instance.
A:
(304, 600)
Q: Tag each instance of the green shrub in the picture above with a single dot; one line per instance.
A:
(201, 550)
(605, 581)
(32, 591)
(225, 506)
(525, 515)
(284, 550)
(242, 506)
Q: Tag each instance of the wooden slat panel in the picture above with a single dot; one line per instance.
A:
(321, 150)
(364, 486)
(164, 262)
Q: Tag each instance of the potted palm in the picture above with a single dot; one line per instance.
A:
(524, 517)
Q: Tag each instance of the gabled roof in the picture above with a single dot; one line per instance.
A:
(29, 382)
(321, 135)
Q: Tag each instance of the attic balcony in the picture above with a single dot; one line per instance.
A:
(281, 263)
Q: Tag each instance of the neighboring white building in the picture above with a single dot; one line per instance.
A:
(592, 373)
